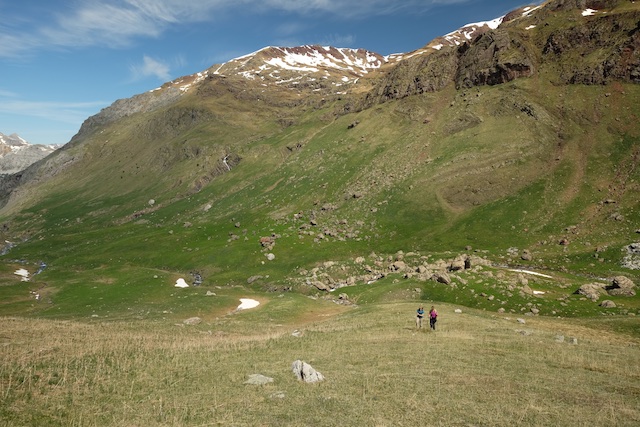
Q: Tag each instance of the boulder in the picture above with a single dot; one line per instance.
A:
(442, 277)
(321, 286)
(457, 264)
(192, 321)
(608, 304)
(591, 291)
(621, 286)
(305, 372)
(398, 266)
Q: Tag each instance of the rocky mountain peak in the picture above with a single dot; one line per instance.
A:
(16, 153)
(11, 141)
(303, 65)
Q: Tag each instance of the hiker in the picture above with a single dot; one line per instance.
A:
(433, 318)
(419, 316)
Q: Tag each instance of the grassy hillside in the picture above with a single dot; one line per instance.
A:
(520, 165)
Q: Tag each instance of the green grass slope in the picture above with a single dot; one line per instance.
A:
(523, 165)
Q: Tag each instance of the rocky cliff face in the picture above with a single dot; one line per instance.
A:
(575, 41)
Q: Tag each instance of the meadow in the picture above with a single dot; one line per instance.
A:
(478, 369)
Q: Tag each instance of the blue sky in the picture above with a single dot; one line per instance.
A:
(62, 61)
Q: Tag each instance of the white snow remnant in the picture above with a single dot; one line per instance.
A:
(530, 27)
(246, 303)
(529, 10)
(588, 12)
(23, 273)
(531, 272)
(180, 283)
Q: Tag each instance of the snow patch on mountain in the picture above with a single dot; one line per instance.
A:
(470, 31)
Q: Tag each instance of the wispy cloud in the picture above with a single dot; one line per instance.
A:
(151, 67)
(66, 112)
(118, 23)
(346, 40)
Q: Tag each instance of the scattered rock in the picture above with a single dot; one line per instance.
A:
(591, 291)
(457, 311)
(521, 321)
(632, 258)
(258, 379)
(559, 338)
(442, 277)
(270, 256)
(608, 304)
(457, 264)
(192, 321)
(296, 333)
(305, 372)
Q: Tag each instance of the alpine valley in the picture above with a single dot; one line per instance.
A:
(509, 144)
(200, 253)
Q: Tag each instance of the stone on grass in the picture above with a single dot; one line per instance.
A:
(192, 321)
(621, 285)
(258, 379)
(591, 290)
(305, 372)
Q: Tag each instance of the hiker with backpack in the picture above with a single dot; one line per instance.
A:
(419, 316)
(433, 318)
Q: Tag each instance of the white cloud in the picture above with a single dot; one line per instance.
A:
(151, 67)
(117, 23)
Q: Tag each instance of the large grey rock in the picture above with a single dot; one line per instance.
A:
(621, 285)
(591, 290)
(305, 372)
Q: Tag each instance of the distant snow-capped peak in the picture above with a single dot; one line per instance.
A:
(12, 140)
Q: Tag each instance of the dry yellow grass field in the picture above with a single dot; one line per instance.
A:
(477, 369)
